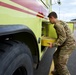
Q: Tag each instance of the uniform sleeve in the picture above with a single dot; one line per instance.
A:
(61, 36)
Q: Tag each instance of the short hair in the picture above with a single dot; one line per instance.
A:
(52, 14)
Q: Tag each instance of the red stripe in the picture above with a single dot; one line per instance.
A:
(33, 5)
(18, 9)
(15, 8)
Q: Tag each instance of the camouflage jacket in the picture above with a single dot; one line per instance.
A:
(64, 34)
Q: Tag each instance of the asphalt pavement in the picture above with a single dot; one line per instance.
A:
(72, 60)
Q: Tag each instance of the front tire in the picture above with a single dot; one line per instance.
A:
(15, 59)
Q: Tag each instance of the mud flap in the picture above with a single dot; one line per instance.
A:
(44, 66)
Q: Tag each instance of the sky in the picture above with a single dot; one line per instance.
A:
(66, 11)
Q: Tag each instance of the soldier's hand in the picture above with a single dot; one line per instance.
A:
(51, 45)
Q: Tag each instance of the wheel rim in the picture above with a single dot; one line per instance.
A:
(20, 71)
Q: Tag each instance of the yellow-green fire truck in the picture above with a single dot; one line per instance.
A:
(24, 36)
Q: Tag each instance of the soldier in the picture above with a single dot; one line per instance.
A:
(65, 44)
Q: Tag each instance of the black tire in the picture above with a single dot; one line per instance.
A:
(15, 59)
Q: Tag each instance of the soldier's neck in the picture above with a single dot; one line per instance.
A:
(55, 21)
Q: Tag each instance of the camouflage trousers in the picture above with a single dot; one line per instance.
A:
(61, 57)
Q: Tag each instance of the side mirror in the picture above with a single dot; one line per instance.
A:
(55, 2)
(59, 2)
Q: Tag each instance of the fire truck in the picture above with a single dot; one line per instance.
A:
(25, 34)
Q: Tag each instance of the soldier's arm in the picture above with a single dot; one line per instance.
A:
(61, 36)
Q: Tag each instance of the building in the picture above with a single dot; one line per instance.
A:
(74, 21)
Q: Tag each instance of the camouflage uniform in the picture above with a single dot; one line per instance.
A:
(66, 45)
